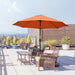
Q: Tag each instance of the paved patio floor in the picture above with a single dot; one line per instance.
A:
(10, 66)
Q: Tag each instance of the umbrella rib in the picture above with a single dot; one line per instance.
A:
(53, 24)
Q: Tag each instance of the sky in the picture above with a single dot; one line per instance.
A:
(12, 11)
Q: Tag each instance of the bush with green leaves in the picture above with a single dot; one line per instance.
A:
(51, 42)
(25, 40)
(14, 40)
(65, 40)
(8, 41)
(28, 39)
(11, 39)
(4, 41)
(22, 40)
(18, 41)
(46, 42)
(1, 39)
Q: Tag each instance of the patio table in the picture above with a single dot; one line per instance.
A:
(22, 53)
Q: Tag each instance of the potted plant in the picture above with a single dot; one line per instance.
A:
(22, 42)
(51, 43)
(47, 44)
(8, 42)
(3, 43)
(14, 42)
(28, 40)
(65, 41)
(25, 47)
(25, 43)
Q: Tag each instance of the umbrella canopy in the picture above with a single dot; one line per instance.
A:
(40, 22)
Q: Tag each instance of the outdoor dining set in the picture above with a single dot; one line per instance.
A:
(39, 58)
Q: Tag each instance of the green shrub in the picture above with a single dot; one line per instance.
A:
(51, 42)
(14, 40)
(21, 40)
(28, 39)
(25, 39)
(18, 41)
(11, 39)
(8, 41)
(46, 42)
(65, 40)
(4, 41)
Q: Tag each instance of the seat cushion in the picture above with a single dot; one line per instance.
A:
(37, 58)
(32, 45)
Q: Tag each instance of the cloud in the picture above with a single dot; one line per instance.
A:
(12, 7)
(15, 8)
(5, 2)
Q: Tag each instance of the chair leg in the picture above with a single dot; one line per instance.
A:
(21, 59)
(31, 58)
(54, 69)
(18, 57)
(36, 63)
(38, 67)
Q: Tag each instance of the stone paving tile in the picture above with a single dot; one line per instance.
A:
(13, 67)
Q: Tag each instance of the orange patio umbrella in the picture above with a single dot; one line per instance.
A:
(40, 22)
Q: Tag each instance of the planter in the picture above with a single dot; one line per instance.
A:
(25, 47)
(65, 46)
(2, 46)
(8, 46)
(14, 47)
(5, 47)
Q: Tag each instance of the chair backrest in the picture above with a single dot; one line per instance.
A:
(56, 52)
(39, 54)
(33, 51)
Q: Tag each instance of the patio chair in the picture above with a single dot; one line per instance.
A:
(33, 52)
(56, 53)
(45, 61)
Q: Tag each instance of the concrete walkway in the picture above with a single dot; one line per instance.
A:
(10, 66)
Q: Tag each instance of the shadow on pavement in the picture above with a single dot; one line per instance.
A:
(3, 70)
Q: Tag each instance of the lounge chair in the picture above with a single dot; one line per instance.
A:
(45, 61)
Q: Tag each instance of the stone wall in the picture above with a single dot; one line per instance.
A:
(48, 34)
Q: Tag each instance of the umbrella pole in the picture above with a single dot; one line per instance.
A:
(40, 39)
(40, 36)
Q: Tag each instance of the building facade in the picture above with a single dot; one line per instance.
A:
(53, 34)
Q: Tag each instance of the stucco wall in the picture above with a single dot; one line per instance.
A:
(33, 34)
(48, 34)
